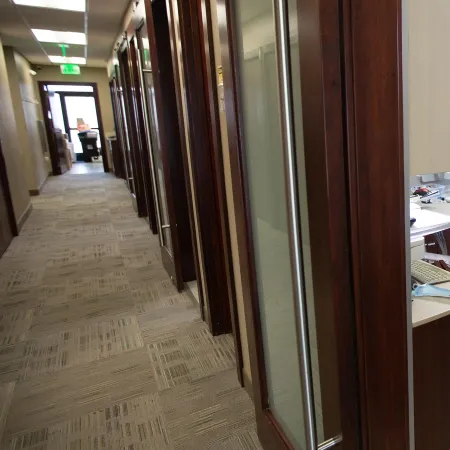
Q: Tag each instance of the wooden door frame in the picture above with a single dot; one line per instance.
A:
(7, 191)
(126, 77)
(62, 96)
(359, 82)
(182, 265)
(45, 110)
(203, 153)
(372, 44)
(117, 127)
(125, 137)
(150, 196)
(211, 91)
(53, 150)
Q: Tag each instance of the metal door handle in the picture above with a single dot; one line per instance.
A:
(330, 443)
(290, 160)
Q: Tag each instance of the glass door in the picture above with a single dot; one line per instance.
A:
(80, 106)
(154, 139)
(297, 384)
(125, 133)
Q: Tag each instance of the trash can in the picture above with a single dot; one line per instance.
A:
(88, 141)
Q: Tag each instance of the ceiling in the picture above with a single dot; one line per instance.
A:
(104, 19)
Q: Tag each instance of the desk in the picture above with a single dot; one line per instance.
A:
(431, 345)
(429, 221)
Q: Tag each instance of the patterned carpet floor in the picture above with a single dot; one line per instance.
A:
(98, 350)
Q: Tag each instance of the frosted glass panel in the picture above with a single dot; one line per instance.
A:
(157, 156)
(268, 205)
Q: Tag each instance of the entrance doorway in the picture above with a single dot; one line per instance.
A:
(69, 106)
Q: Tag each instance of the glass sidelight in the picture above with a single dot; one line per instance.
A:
(154, 139)
(124, 130)
(296, 369)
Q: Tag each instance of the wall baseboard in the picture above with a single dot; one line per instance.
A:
(24, 217)
(248, 386)
(36, 192)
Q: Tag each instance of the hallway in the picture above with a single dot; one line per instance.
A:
(97, 348)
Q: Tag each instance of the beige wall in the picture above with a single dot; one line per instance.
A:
(230, 204)
(11, 145)
(428, 93)
(26, 108)
(88, 75)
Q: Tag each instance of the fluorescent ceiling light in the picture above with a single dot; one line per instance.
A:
(60, 37)
(67, 60)
(68, 5)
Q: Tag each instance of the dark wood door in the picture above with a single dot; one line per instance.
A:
(121, 130)
(135, 161)
(56, 150)
(313, 99)
(7, 222)
(177, 248)
(283, 101)
(144, 151)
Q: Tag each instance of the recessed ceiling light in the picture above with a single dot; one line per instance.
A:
(67, 60)
(60, 37)
(69, 5)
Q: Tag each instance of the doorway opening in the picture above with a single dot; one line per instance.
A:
(72, 108)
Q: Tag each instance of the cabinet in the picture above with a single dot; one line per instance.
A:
(432, 243)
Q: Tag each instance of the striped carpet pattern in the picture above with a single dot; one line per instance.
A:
(98, 350)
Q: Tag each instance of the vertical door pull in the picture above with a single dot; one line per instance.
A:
(290, 163)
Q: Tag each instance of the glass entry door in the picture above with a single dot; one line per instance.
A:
(154, 137)
(297, 385)
(80, 107)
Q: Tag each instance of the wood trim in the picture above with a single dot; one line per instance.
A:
(144, 150)
(36, 192)
(373, 84)
(182, 133)
(54, 157)
(25, 215)
(121, 169)
(325, 162)
(101, 129)
(7, 194)
(174, 178)
(201, 149)
(431, 386)
(211, 91)
(133, 132)
(121, 129)
(247, 384)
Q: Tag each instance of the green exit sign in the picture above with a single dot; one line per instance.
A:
(70, 69)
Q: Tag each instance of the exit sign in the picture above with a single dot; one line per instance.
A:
(70, 69)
